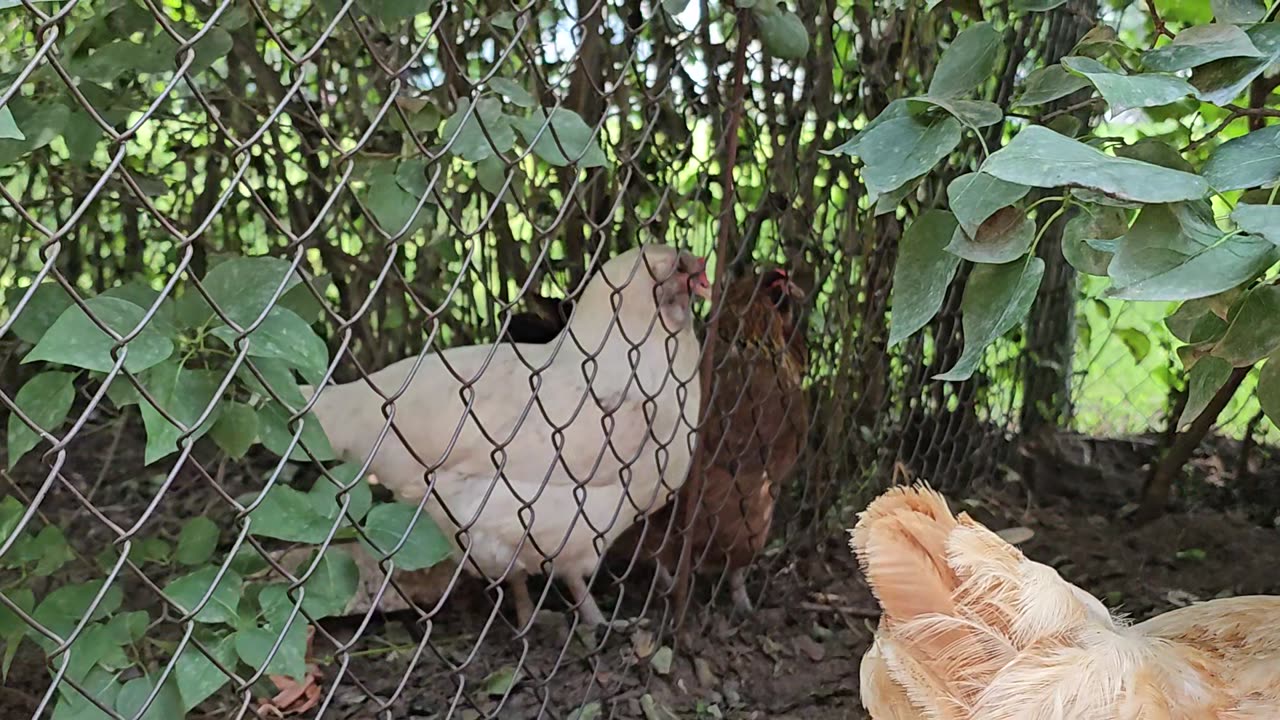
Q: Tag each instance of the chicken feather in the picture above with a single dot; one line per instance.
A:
(541, 455)
(973, 630)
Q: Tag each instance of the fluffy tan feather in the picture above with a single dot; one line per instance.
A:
(973, 630)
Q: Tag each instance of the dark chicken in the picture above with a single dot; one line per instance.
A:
(753, 434)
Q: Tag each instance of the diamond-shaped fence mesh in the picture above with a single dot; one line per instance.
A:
(213, 209)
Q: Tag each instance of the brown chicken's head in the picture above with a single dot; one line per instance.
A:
(784, 295)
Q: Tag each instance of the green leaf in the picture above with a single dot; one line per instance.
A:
(1040, 157)
(1125, 92)
(902, 147)
(1047, 84)
(51, 547)
(1195, 322)
(273, 430)
(8, 128)
(167, 704)
(236, 429)
(332, 585)
(11, 511)
(287, 514)
(1088, 226)
(1001, 238)
(1247, 161)
(48, 302)
(44, 123)
(514, 92)
(923, 272)
(974, 113)
(464, 133)
(75, 340)
(278, 376)
(674, 7)
(393, 206)
(1136, 342)
(1262, 220)
(996, 298)
(243, 287)
(968, 62)
(283, 336)
(12, 627)
(782, 33)
(1269, 390)
(64, 608)
(1204, 380)
(324, 494)
(187, 591)
(974, 197)
(564, 139)
(182, 392)
(1221, 81)
(426, 545)
(46, 400)
(144, 296)
(1253, 328)
(1199, 45)
(890, 201)
(491, 173)
(499, 682)
(149, 550)
(1038, 5)
(254, 644)
(1176, 252)
(99, 683)
(197, 541)
(195, 674)
(94, 645)
(1238, 11)
(1156, 152)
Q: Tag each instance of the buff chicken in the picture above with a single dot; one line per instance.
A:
(537, 457)
(973, 630)
(754, 430)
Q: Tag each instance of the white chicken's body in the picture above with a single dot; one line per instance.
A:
(586, 440)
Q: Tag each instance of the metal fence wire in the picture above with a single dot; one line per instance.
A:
(214, 208)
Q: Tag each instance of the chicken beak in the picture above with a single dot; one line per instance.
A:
(699, 284)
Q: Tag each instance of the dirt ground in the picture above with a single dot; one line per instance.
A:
(796, 657)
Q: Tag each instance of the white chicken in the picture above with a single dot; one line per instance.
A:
(542, 455)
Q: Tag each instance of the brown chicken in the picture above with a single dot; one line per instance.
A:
(753, 434)
(973, 630)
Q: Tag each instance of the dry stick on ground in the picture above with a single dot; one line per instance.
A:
(1155, 492)
(689, 510)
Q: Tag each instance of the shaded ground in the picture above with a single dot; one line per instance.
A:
(797, 657)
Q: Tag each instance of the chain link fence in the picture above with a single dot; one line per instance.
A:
(212, 209)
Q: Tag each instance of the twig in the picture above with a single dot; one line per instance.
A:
(853, 611)
(689, 511)
(1158, 22)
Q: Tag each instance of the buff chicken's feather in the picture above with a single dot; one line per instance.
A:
(973, 630)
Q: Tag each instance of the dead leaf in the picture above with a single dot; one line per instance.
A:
(811, 648)
(295, 697)
(654, 710)
(661, 660)
(642, 644)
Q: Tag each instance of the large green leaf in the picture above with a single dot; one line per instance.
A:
(46, 400)
(253, 645)
(1195, 322)
(974, 197)
(465, 131)
(62, 609)
(43, 123)
(1262, 220)
(1221, 81)
(996, 298)
(236, 429)
(969, 61)
(922, 274)
(974, 113)
(196, 541)
(426, 545)
(75, 340)
(1001, 238)
(1247, 161)
(12, 627)
(782, 32)
(332, 584)
(243, 286)
(1269, 389)
(571, 142)
(1047, 84)
(1238, 11)
(1253, 328)
(1040, 157)
(278, 376)
(274, 431)
(1203, 381)
(1092, 224)
(188, 590)
(8, 128)
(167, 704)
(72, 705)
(195, 674)
(283, 336)
(902, 147)
(47, 303)
(287, 514)
(182, 392)
(1199, 45)
(1176, 252)
(1125, 92)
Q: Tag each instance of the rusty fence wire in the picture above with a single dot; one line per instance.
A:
(214, 209)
